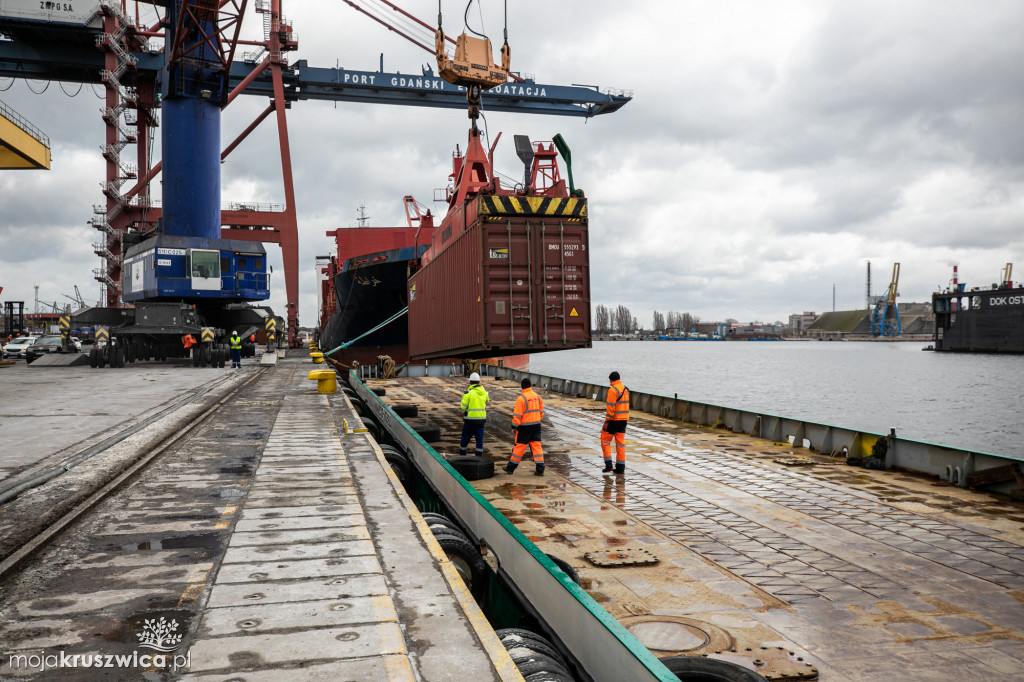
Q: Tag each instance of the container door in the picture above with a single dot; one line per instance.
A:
(563, 285)
(509, 255)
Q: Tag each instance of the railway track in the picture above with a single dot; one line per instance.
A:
(113, 480)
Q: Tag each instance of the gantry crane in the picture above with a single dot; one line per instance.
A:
(45, 46)
(885, 317)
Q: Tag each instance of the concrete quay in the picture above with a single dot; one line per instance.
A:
(270, 540)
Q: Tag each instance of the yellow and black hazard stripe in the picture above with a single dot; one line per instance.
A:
(564, 207)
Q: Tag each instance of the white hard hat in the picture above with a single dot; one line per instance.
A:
(474, 377)
(234, 333)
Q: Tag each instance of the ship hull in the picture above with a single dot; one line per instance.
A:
(990, 321)
(369, 297)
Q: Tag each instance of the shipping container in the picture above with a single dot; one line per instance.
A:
(517, 280)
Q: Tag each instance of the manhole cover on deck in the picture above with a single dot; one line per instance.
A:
(627, 556)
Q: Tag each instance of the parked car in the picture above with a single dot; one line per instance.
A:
(77, 343)
(16, 348)
(43, 345)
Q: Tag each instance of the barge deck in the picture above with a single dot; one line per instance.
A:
(776, 558)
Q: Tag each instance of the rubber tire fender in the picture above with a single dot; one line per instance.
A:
(566, 568)
(698, 669)
(531, 662)
(458, 548)
(428, 431)
(385, 447)
(406, 410)
(535, 646)
(547, 676)
(435, 520)
(471, 467)
(372, 429)
(400, 465)
(518, 637)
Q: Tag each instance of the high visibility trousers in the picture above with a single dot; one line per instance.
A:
(616, 430)
(527, 436)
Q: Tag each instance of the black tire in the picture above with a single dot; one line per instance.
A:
(132, 351)
(400, 465)
(426, 430)
(196, 356)
(546, 676)
(441, 522)
(94, 357)
(223, 356)
(472, 468)
(122, 353)
(467, 560)
(534, 645)
(521, 637)
(380, 391)
(207, 355)
(349, 392)
(566, 568)
(699, 669)
(391, 448)
(101, 357)
(406, 410)
(535, 662)
(372, 429)
(439, 531)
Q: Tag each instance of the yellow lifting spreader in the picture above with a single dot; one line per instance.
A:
(471, 66)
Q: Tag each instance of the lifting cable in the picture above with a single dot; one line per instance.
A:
(388, 321)
(80, 86)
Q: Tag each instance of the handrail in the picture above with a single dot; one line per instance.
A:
(23, 123)
(951, 464)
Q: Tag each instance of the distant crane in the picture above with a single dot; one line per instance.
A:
(1006, 279)
(77, 298)
(885, 317)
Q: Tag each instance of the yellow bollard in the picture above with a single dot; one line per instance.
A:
(318, 358)
(326, 380)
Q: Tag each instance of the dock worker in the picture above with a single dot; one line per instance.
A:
(616, 417)
(236, 350)
(474, 415)
(526, 416)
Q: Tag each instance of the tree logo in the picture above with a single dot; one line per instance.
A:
(159, 635)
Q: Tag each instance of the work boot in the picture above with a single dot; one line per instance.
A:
(620, 469)
(607, 467)
(510, 467)
(539, 471)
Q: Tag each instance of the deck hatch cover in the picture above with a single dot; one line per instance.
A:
(626, 556)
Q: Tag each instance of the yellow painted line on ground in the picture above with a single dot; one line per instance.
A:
(384, 610)
(496, 651)
(196, 582)
(226, 516)
(399, 668)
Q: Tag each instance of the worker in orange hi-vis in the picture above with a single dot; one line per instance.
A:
(526, 416)
(616, 418)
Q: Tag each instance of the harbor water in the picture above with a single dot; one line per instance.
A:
(965, 401)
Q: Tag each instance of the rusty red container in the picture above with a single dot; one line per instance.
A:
(516, 280)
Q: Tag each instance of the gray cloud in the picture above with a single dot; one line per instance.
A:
(770, 151)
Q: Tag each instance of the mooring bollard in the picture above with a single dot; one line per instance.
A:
(326, 380)
(318, 358)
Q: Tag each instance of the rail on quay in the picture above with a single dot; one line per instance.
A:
(965, 468)
(602, 646)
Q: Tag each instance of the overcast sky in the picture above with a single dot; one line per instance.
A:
(771, 150)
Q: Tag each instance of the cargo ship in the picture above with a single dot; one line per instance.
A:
(980, 320)
(506, 274)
